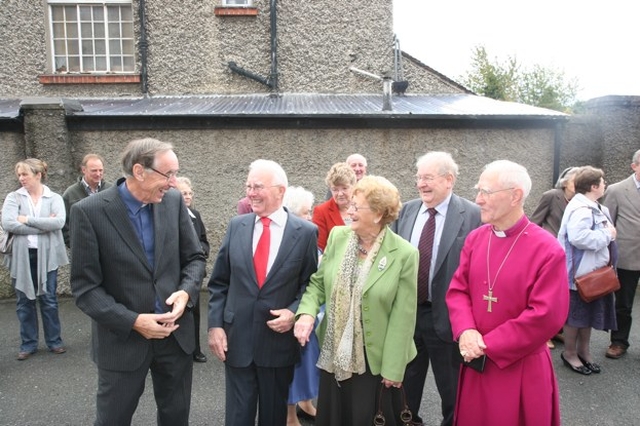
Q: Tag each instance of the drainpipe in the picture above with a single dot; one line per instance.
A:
(144, 49)
(272, 80)
(273, 77)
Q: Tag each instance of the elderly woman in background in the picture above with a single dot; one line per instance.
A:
(368, 280)
(334, 211)
(306, 375)
(549, 213)
(585, 234)
(35, 215)
(185, 188)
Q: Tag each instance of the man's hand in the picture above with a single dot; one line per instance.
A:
(178, 302)
(218, 342)
(283, 321)
(303, 328)
(154, 326)
(471, 344)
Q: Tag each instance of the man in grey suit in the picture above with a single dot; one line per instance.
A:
(623, 201)
(136, 271)
(253, 299)
(454, 218)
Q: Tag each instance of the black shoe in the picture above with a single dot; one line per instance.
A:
(199, 357)
(580, 370)
(595, 368)
(303, 414)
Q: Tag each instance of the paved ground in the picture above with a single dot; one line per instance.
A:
(52, 389)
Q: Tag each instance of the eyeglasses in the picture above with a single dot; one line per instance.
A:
(356, 208)
(344, 190)
(168, 175)
(427, 178)
(187, 193)
(258, 187)
(485, 193)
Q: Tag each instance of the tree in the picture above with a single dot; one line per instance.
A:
(538, 86)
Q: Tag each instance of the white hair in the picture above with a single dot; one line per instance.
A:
(273, 168)
(511, 175)
(296, 198)
(443, 161)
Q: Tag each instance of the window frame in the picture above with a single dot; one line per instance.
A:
(248, 3)
(107, 57)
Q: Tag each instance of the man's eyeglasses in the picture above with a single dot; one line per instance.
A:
(356, 208)
(426, 178)
(259, 187)
(484, 193)
(167, 176)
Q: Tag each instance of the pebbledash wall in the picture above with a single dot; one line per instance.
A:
(217, 160)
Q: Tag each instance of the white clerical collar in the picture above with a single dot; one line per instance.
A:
(499, 234)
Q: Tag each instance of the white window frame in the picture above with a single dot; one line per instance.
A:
(237, 3)
(83, 56)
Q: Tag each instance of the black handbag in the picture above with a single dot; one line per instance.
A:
(405, 414)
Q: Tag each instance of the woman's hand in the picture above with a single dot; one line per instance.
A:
(303, 328)
(390, 383)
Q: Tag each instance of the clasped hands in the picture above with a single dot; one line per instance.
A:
(471, 345)
(159, 326)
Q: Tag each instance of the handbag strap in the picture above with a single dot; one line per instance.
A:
(405, 414)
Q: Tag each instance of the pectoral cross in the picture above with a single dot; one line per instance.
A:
(489, 299)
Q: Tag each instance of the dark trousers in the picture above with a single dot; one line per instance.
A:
(246, 387)
(171, 372)
(624, 305)
(445, 367)
(196, 323)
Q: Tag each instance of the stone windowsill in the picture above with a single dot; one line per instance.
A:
(88, 78)
(235, 11)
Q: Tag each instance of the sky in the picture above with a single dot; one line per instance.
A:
(598, 43)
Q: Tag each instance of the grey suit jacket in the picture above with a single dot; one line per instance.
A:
(462, 217)
(112, 280)
(623, 201)
(550, 209)
(242, 309)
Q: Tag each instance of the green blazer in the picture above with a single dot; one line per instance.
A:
(389, 300)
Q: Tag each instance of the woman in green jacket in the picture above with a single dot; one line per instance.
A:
(368, 280)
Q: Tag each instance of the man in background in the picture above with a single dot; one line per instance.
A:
(91, 182)
(623, 201)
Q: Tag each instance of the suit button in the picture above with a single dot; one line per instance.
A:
(367, 321)
(366, 308)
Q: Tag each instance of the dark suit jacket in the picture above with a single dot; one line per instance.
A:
(463, 216)
(237, 304)
(201, 232)
(326, 216)
(72, 195)
(112, 280)
(550, 209)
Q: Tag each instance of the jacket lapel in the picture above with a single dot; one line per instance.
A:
(116, 213)
(383, 262)
(452, 224)
(289, 242)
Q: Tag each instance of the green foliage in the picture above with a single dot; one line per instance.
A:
(539, 86)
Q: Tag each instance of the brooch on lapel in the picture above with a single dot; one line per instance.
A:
(382, 264)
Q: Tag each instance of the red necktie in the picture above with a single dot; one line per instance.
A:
(425, 246)
(261, 257)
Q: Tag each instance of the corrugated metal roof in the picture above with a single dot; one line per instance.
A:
(315, 105)
(9, 108)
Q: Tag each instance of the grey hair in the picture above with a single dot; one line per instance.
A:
(277, 172)
(443, 161)
(636, 157)
(143, 152)
(184, 180)
(566, 176)
(295, 199)
(356, 157)
(511, 175)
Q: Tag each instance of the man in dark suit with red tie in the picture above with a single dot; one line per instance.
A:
(263, 267)
(437, 223)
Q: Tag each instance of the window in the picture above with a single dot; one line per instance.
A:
(92, 36)
(237, 2)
